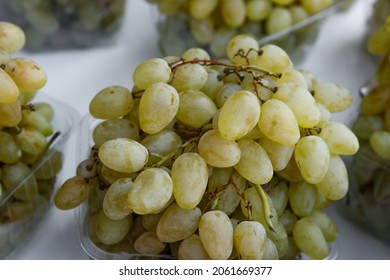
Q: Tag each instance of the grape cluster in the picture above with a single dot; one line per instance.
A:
(211, 24)
(26, 133)
(215, 159)
(58, 24)
(369, 197)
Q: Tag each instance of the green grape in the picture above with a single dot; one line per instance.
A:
(31, 141)
(298, 13)
(110, 231)
(279, 238)
(233, 12)
(9, 150)
(189, 174)
(315, 6)
(279, 19)
(72, 193)
(36, 121)
(375, 102)
(149, 243)
(313, 158)
(51, 166)
(191, 248)
(339, 138)
(254, 164)
(380, 143)
(288, 219)
(189, 77)
(200, 9)
(379, 41)
(42, 20)
(327, 226)
(249, 84)
(150, 221)
(45, 109)
(239, 46)
(324, 115)
(212, 85)
(195, 108)
(249, 240)
(279, 194)
(224, 92)
(150, 191)
(216, 234)
(114, 128)
(279, 154)
(161, 99)
(364, 126)
(10, 113)
(302, 198)
(195, 53)
(177, 223)
(278, 123)
(239, 115)
(9, 91)
(291, 172)
(272, 58)
(333, 96)
(202, 30)
(258, 10)
(309, 238)
(218, 151)
(123, 155)
(293, 78)
(115, 200)
(119, 98)
(12, 37)
(270, 250)
(15, 211)
(151, 71)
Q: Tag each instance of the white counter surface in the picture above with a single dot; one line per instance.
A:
(74, 77)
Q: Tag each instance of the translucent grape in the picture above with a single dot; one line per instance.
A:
(9, 91)
(302, 198)
(191, 248)
(239, 46)
(270, 250)
(249, 240)
(150, 221)
(328, 227)
(72, 193)
(380, 143)
(112, 231)
(279, 238)
(315, 6)
(333, 96)
(258, 10)
(31, 141)
(272, 58)
(339, 138)
(9, 150)
(195, 53)
(212, 85)
(280, 18)
(36, 121)
(10, 113)
(189, 77)
(200, 9)
(224, 92)
(149, 243)
(233, 12)
(279, 154)
(12, 37)
(151, 71)
(115, 200)
(114, 128)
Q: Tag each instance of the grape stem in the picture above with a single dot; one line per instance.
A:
(266, 206)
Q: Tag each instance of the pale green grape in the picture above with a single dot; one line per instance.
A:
(119, 99)
(380, 143)
(189, 77)
(151, 71)
(258, 10)
(9, 91)
(9, 150)
(123, 155)
(325, 115)
(339, 138)
(218, 151)
(249, 84)
(288, 219)
(313, 158)
(200, 9)
(270, 250)
(216, 234)
(279, 19)
(110, 231)
(150, 221)
(45, 109)
(195, 53)
(202, 30)
(191, 248)
(161, 99)
(239, 115)
(279, 238)
(213, 84)
(195, 108)
(72, 193)
(50, 167)
(291, 172)
(115, 128)
(115, 200)
(327, 226)
(333, 96)
(273, 58)
(233, 12)
(375, 102)
(10, 113)
(12, 37)
(177, 223)
(293, 78)
(379, 41)
(298, 13)
(278, 123)
(279, 194)
(224, 92)
(279, 154)
(249, 240)
(315, 6)
(302, 198)
(364, 126)
(189, 174)
(31, 141)
(36, 121)
(42, 20)
(254, 164)
(150, 191)
(239, 46)
(109, 175)
(149, 243)
(310, 78)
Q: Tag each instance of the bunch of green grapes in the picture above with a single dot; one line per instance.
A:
(215, 159)
(25, 134)
(58, 24)
(211, 24)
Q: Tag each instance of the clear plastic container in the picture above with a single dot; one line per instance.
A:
(63, 24)
(18, 218)
(175, 35)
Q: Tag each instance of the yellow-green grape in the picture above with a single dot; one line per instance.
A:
(115, 204)
(123, 155)
(9, 91)
(315, 6)
(14, 211)
(13, 176)
(200, 9)
(72, 193)
(310, 78)
(279, 238)
(189, 174)
(328, 227)
(189, 76)
(12, 37)
(151, 71)
(195, 53)
(258, 10)
(10, 113)
(195, 108)
(313, 158)
(109, 175)
(51, 167)
(218, 151)
(339, 138)
(279, 19)
(301, 103)
(119, 99)
(375, 102)
(288, 219)
(333, 96)
(45, 109)
(27, 75)
(240, 46)
(379, 41)
(224, 184)
(282, 2)
(115, 128)
(249, 240)
(321, 200)
(310, 239)
(302, 197)
(325, 115)
(270, 250)
(191, 248)
(249, 84)
(177, 223)
(254, 164)
(36, 121)
(150, 221)
(364, 126)
(224, 92)
(9, 150)
(380, 143)
(298, 13)
(216, 234)
(335, 183)
(273, 58)
(279, 154)
(291, 172)
(110, 231)
(293, 77)
(4, 57)
(233, 12)
(279, 194)
(150, 191)
(149, 243)
(202, 30)
(277, 122)
(157, 108)
(87, 169)
(213, 84)
(31, 141)
(239, 115)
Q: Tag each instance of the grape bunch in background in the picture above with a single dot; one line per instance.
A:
(215, 159)
(26, 132)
